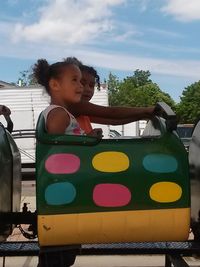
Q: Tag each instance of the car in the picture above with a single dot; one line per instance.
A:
(184, 131)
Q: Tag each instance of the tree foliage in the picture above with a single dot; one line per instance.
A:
(27, 78)
(136, 90)
(113, 88)
(188, 109)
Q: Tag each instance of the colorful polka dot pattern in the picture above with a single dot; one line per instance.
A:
(110, 194)
(160, 163)
(60, 193)
(110, 161)
(165, 192)
(62, 164)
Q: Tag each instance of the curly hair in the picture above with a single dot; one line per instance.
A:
(93, 72)
(43, 71)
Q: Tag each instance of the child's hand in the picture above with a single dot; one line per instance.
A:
(153, 111)
(98, 133)
(4, 111)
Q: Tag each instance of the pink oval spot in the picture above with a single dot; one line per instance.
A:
(111, 195)
(62, 163)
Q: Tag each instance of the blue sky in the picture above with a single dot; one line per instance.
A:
(113, 35)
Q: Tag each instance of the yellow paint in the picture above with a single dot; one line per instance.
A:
(110, 161)
(165, 192)
(107, 227)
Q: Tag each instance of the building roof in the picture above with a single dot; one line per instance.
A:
(6, 85)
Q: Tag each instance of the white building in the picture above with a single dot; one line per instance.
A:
(26, 103)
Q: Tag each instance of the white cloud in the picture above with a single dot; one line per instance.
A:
(183, 10)
(125, 62)
(12, 2)
(106, 59)
(165, 33)
(65, 26)
(123, 32)
(124, 36)
(5, 27)
(141, 5)
(144, 5)
(69, 22)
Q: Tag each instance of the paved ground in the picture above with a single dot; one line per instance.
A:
(101, 261)
(28, 196)
(95, 261)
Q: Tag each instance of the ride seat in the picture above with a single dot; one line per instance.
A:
(10, 179)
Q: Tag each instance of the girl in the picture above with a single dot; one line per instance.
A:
(62, 80)
(90, 78)
(87, 112)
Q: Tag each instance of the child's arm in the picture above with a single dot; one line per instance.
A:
(92, 110)
(57, 121)
(107, 121)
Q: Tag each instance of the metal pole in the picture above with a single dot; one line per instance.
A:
(167, 261)
(4, 261)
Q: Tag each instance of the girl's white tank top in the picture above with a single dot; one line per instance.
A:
(73, 128)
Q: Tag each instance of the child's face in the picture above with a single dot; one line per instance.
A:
(70, 87)
(88, 82)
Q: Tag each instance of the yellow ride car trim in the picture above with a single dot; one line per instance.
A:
(108, 227)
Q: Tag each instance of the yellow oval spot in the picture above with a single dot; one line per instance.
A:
(165, 192)
(110, 161)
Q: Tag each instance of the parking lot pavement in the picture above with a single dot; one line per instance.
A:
(119, 261)
(94, 261)
(101, 261)
(19, 262)
(28, 196)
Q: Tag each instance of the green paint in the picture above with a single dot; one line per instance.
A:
(136, 178)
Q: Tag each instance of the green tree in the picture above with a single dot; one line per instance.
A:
(188, 109)
(138, 90)
(113, 87)
(139, 78)
(27, 78)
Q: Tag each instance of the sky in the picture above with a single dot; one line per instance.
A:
(117, 36)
